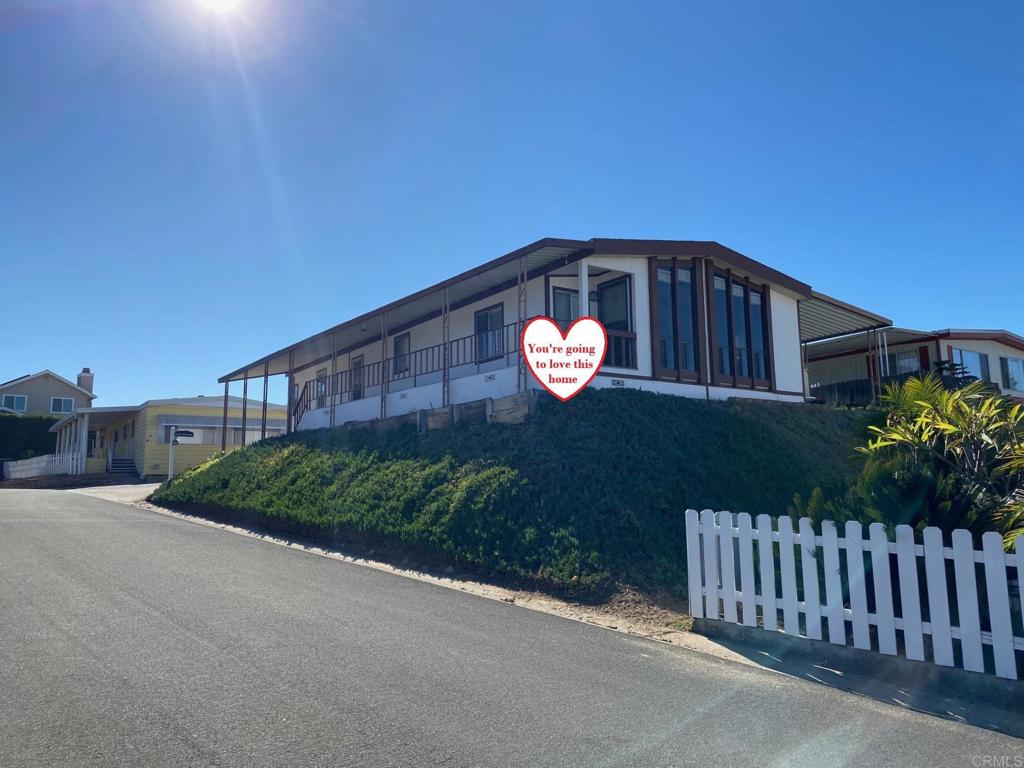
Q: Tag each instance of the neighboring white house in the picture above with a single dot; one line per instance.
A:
(845, 369)
(690, 318)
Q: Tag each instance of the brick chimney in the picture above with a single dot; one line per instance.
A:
(85, 379)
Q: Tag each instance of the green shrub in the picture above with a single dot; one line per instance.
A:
(950, 459)
(22, 437)
(584, 495)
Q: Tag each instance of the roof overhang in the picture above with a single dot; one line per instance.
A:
(822, 317)
(465, 288)
(98, 417)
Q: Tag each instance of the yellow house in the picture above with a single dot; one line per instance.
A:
(136, 439)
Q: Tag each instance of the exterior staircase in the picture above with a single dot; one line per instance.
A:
(123, 467)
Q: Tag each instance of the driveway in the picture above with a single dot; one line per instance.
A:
(132, 638)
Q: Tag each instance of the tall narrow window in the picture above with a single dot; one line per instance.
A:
(686, 311)
(401, 364)
(668, 340)
(674, 303)
(488, 327)
(321, 388)
(739, 330)
(615, 313)
(613, 303)
(723, 347)
(566, 306)
(759, 334)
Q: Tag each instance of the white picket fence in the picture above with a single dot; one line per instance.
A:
(38, 466)
(728, 582)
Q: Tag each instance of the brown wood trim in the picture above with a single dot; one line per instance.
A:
(709, 280)
(701, 342)
(708, 248)
(770, 341)
(657, 370)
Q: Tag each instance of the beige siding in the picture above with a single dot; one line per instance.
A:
(39, 391)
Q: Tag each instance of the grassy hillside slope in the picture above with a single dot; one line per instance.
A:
(584, 495)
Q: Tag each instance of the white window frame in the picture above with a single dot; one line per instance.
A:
(12, 407)
(62, 398)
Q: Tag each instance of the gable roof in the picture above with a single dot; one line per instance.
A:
(537, 258)
(47, 372)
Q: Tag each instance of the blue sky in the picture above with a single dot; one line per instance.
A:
(184, 192)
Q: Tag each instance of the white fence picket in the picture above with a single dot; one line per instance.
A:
(967, 601)
(727, 565)
(910, 593)
(833, 584)
(858, 590)
(999, 605)
(707, 524)
(724, 582)
(885, 619)
(766, 556)
(809, 579)
(938, 598)
(748, 586)
(787, 570)
(695, 581)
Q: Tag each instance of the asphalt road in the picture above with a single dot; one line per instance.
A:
(132, 638)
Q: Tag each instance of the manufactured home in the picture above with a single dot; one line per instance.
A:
(849, 370)
(690, 318)
(135, 439)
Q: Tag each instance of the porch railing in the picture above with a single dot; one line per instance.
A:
(466, 355)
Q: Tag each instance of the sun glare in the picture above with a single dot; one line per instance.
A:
(223, 7)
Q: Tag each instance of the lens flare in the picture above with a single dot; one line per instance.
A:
(223, 7)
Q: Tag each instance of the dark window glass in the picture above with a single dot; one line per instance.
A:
(666, 326)
(357, 377)
(566, 307)
(739, 330)
(759, 335)
(487, 324)
(684, 312)
(975, 363)
(723, 352)
(613, 304)
(401, 363)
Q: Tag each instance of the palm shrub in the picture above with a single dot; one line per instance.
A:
(952, 459)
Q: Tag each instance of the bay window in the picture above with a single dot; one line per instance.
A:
(740, 331)
(675, 319)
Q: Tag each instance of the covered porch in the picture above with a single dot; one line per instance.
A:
(92, 440)
(430, 349)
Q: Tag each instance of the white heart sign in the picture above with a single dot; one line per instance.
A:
(563, 363)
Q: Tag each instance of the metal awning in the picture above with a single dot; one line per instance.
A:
(822, 317)
(462, 289)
